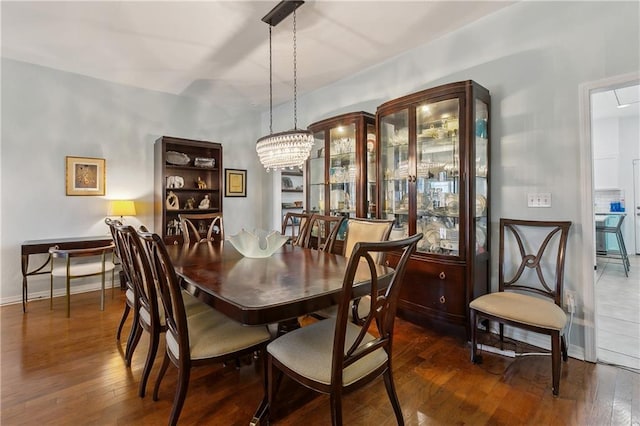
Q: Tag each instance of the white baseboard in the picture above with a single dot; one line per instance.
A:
(60, 292)
(537, 339)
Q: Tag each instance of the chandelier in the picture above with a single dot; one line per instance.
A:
(288, 149)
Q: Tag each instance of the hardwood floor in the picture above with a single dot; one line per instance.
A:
(59, 371)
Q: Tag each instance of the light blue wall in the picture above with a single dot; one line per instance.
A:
(532, 56)
(48, 114)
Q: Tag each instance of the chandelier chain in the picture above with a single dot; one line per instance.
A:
(295, 76)
(270, 84)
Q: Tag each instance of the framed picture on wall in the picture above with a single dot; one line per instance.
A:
(235, 183)
(85, 176)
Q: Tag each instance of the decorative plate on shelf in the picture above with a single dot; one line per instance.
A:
(208, 163)
(481, 204)
(177, 158)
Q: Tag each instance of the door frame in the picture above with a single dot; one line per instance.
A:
(587, 219)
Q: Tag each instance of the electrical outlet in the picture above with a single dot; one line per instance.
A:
(539, 199)
(570, 301)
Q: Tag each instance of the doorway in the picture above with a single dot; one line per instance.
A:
(611, 133)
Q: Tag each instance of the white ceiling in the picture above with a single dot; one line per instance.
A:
(218, 51)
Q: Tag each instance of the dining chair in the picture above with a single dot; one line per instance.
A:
(129, 291)
(192, 340)
(360, 230)
(335, 356)
(530, 280)
(150, 317)
(80, 263)
(295, 225)
(211, 222)
(321, 232)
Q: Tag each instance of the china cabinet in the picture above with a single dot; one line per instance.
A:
(187, 179)
(433, 170)
(341, 171)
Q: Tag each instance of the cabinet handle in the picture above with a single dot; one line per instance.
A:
(442, 275)
(443, 299)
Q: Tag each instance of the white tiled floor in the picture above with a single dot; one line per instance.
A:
(618, 312)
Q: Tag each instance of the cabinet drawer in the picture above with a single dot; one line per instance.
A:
(436, 289)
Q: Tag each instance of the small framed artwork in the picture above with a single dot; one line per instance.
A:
(235, 183)
(85, 176)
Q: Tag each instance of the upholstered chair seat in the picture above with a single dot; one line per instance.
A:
(309, 352)
(212, 334)
(523, 308)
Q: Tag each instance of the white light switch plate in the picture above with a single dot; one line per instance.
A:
(540, 199)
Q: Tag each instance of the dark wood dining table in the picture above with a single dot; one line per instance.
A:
(292, 282)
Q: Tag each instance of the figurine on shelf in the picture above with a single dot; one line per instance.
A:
(201, 184)
(204, 204)
(172, 202)
(191, 204)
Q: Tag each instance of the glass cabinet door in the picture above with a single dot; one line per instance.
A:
(481, 175)
(437, 176)
(342, 170)
(316, 175)
(394, 160)
(371, 172)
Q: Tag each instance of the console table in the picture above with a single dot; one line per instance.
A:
(42, 247)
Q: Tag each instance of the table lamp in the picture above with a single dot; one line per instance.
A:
(122, 208)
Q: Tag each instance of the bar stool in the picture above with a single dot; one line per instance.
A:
(607, 228)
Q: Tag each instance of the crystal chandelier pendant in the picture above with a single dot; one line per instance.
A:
(289, 149)
(284, 150)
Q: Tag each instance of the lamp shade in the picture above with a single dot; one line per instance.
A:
(122, 208)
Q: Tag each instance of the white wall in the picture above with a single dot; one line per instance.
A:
(532, 56)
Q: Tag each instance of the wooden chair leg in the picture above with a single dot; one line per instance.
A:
(473, 319)
(163, 370)
(336, 407)
(270, 385)
(132, 343)
(555, 361)
(125, 314)
(565, 351)
(181, 393)
(148, 365)
(393, 396)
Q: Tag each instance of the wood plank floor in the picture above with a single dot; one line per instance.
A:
(59, 371)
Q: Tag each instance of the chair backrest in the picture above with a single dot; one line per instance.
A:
(366, 230)
(321, 232)
(211, 223)
(295, 224)
(170, 294)
(136, 258)
(113, 223)
(362, 265)
(532, 257)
